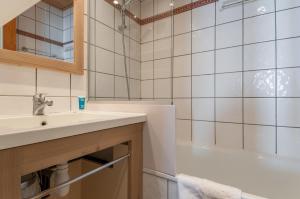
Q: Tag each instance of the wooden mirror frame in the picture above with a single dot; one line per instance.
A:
(30, 60)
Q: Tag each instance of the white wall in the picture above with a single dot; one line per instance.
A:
(232, 74)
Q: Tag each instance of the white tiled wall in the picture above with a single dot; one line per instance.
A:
(234, 73)
(106, 61)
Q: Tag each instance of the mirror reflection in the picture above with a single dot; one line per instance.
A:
(45, 29)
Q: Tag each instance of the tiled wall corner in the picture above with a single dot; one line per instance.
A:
(106, 58)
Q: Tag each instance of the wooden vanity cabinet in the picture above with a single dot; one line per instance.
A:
(19, 161)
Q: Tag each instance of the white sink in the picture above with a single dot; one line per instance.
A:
(18, 131)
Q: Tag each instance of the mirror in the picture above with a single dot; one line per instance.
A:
(44, 35)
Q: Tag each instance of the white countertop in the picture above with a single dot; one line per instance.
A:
(20, 131)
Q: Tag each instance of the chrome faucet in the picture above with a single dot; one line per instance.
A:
(39, 104)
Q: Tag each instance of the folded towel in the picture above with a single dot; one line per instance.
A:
(196, 188)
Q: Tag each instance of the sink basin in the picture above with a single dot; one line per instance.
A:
(18, 131)
(32, 122)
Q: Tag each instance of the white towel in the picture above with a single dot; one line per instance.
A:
(196, 188)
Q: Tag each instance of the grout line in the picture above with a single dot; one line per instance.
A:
(191, 76)
(95, 49)
(243, 74)
(215, 70)
(172, 53)
(153, 53)
(276, 83)
(114, 53)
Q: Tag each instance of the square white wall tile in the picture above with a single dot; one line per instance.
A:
(162, 88)
(287, 23)
(135, 69)
(203, 133)
(135, 88)
(162, 28)
(182, 87)
(258, 7)
(260, 28)
(203, 40)
(182, 66)
(147, 9)
(162, 68)
(261, 139)
(203, 109)
(179, 3)
(288, 142)
(288, 112)
(147, 50)
(79, 84)
(259, 56)
(183, 108)
(119, 44)
(16, 105)
(203, 17)
(161, 6)
(287, 53)
(154, 187)
(229, 85)
(104, 61)
(104, 85)
(53, 83)
(229, 60)
(147, 88)
(288, 82)
(182, 23)
(92, 84)
(229, 35)
(121, 87)
(229, 135)
(259, 83)
(285, 4)
(203, 63)
(162, 48)
(120, 66)
(229, 110)
(147, 33)
(135, 30)
(16, 80)
(182, 44)
(183, 131)
(147, 70)
(260, 111)
(104, 36)
(203, 86)
(229, 14)
(105, 13)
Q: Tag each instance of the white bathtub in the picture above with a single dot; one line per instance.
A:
(262, 176)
